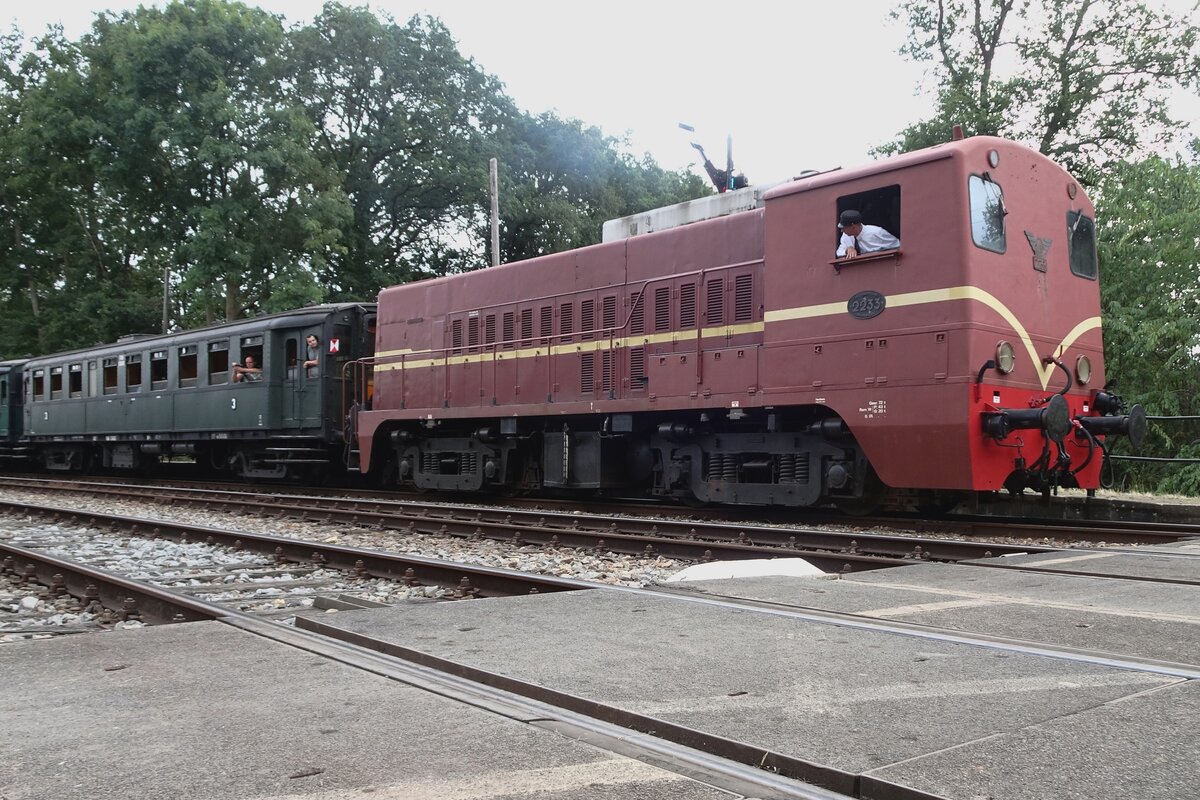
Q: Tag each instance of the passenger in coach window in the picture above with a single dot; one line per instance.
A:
(313, 355)
(858, 239)
(250, 373)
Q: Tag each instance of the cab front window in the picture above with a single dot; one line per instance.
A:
(1081, 244)
(987, 214)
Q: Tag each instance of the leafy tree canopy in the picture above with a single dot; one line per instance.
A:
(1083, 81)
(256, 168)
(1149, 213)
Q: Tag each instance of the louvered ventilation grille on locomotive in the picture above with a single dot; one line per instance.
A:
(527, 326)
(637, 352)
(609, 314)
(508, 329)
(687, 305)
(662, 309)
(743, 298)
(587, 370)
(716, 301)
(587, 321)
(566, 320)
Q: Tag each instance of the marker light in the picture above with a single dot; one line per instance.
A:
(1006, 358)
(1083, 369)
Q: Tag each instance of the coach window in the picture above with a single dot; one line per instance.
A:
(987, 214)
(187, 366)
(290, 348)
(133, 372)
(56, 383)
(110, 375)
(253, 346)
(158, 370)
(75, 380)
(218, 363)
(39, 384)
(1081, 244)
(877, 206)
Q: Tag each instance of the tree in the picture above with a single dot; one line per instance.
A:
(403, 119)
(1150, 289)
(67, 279)
(207, 157)
(1082, 81)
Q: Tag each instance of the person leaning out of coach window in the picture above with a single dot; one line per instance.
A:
(858, 239)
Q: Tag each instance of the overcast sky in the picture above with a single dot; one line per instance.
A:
(799, 85)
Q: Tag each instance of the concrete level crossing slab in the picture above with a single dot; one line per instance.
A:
(1137, 618)
(207, 712)
(851, 699)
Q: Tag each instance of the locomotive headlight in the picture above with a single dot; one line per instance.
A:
(1006, 358)
(993, 158)
(1083, 370)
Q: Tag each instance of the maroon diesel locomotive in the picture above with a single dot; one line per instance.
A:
(720, 351)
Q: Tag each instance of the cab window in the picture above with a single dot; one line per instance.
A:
(879, 207)
(1081, 244)
(987, 214)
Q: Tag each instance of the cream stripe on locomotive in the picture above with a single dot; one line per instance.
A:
(1044, 372)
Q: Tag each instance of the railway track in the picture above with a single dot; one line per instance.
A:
(693, 540)
(1027, 529)
(97, 571)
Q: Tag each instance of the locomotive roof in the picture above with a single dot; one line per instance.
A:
(732, 202)
(281, 319)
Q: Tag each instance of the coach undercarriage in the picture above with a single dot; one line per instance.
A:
(752, 458)
(266, 459)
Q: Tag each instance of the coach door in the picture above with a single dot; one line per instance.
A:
(301, 401)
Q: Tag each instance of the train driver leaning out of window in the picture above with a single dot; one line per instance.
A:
(251, 373)
(312, 354)
(858, 239)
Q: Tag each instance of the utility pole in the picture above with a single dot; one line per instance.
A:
(166, 299)
(495, 185)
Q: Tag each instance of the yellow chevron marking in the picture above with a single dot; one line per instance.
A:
(1044, 371)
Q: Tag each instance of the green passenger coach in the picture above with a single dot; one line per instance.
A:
(265, 398)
